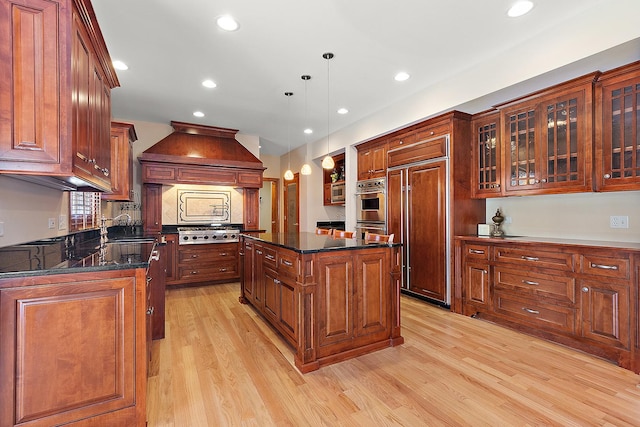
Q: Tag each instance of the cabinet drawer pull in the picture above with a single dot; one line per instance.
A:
(194, 256)
(259, 252)
(476, 251)
(529, 282)
(155, 256)
(270, 257)
(604, 266)
(276, 281)
(222, 270)
(530, 258)
(223, 254)
(287, 263)
(528, 310)
(194, 272)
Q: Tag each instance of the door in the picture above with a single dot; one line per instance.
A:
(291, 205)
(269, 217)
(426, 232)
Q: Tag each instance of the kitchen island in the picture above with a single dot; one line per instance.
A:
(331, 299)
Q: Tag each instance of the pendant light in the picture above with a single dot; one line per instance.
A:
(306, 168)
(327, 162)
(288, 175)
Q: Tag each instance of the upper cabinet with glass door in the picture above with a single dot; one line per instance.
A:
(548, 139)
(617, 133)
(487, 173)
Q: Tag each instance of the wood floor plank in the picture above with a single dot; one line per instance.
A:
(220, 364)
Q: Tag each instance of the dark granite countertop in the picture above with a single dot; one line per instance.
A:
(71, 254)
(310, 242)
(525, 240)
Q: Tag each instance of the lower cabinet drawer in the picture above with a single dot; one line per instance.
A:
(213, 271)
(561, 288)
(533, 312)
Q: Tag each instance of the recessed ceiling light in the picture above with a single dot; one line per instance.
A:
(227, 23)
(401, 76)
(209, 83)
(519, 8)
(342, 110)
(119, 65)
(198, 113)
(308, 131)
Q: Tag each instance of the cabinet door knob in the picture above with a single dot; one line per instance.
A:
(585, 289)
(150, 311)
(607, 175)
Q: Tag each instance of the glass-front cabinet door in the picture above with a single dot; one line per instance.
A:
(521, 151)
(548, 140)
(567, 141)
(618, 141)
(486, 178)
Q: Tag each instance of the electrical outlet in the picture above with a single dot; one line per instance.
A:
(62, 222)
(1, 229)
(619, 221)
(52, 223)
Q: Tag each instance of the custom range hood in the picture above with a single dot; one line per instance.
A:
(197, 154)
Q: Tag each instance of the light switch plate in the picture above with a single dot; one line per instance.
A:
(62, 222)
(619, 221)
(52, 223)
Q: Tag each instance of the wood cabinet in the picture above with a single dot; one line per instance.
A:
(123, 135)
(216, 262)
(152, 208)
(476, 278)
(74, 349)
(372, 160)
(331, 177)
(486, 175)
(428, 199)
(618, 129)
(579, 295)
(156, 282)
(33, 139)
(330, 305)
(548, 139)
(251, 206)
(61, 126)
(171, 252)
(417, 213)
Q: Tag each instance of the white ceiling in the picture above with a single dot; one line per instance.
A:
(172, 46)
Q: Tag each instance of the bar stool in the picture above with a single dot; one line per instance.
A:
(341, 234)
(372, 237)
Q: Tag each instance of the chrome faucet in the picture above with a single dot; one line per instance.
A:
(103, 227)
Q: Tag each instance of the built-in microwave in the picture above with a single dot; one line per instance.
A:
(337, 192)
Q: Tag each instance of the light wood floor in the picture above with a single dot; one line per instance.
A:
(220, 365)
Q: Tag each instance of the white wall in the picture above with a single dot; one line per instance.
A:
(25, 209)
(572, 216)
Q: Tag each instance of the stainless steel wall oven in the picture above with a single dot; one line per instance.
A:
(371, 206)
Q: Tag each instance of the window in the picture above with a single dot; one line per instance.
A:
(84, 210)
